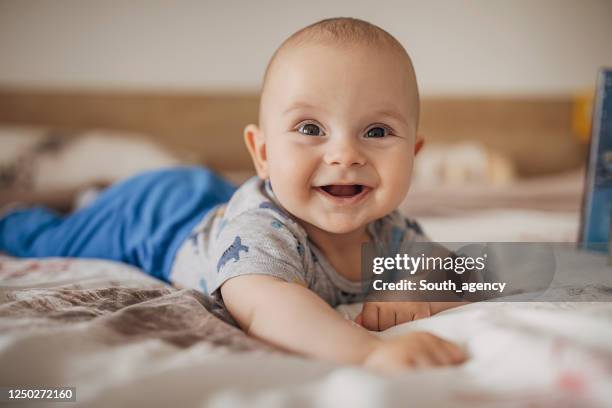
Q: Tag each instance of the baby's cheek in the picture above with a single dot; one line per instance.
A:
(397, 174)
(289, 190)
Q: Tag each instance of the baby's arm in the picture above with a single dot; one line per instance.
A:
(294, 318)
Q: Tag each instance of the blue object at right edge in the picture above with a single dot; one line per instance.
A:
(597, 205)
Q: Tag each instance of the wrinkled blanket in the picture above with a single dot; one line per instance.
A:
(110, 301)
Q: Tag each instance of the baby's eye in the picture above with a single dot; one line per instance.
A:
(310, 129)
(377, 131)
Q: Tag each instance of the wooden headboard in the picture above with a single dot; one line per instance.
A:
(535, 132)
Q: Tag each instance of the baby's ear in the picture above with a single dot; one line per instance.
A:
(255, 143)
(418, 144)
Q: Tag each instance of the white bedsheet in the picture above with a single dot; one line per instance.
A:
(503, 225)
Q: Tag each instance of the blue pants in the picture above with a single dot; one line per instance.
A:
(141, 221)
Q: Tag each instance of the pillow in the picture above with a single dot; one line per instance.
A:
(460, 164)
(34, 158)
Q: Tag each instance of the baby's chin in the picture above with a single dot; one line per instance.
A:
(339, 223)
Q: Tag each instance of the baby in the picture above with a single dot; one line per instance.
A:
(333, 152)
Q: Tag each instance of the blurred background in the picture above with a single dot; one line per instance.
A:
(97, 90)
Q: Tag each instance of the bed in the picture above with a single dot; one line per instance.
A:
(124, 339)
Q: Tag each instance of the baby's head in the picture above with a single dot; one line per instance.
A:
(338, 122)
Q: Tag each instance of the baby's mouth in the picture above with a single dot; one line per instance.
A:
(344, 194)
(337, 190)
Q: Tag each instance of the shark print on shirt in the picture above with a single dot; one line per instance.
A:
(232, 252)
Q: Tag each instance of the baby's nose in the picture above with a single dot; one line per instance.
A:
(344, 152)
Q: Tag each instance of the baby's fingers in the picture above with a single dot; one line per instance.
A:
(404, 316)
(426, 360)
(447, 353)
(440, 356)
(386, 318)
(369, 316)
(359, 319)
(455, 353)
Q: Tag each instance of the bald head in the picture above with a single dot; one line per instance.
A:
(344, 32)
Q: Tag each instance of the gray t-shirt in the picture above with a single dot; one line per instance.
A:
(253, 234)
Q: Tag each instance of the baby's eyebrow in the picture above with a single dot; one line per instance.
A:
(300, 105)
(392, 113)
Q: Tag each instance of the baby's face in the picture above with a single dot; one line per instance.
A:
(338, 128)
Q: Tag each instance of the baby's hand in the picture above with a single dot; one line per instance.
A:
(414, 350)
(382, 315)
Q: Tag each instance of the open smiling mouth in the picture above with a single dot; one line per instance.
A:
(344, 193)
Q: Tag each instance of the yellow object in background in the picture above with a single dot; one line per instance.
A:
(582, 112)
